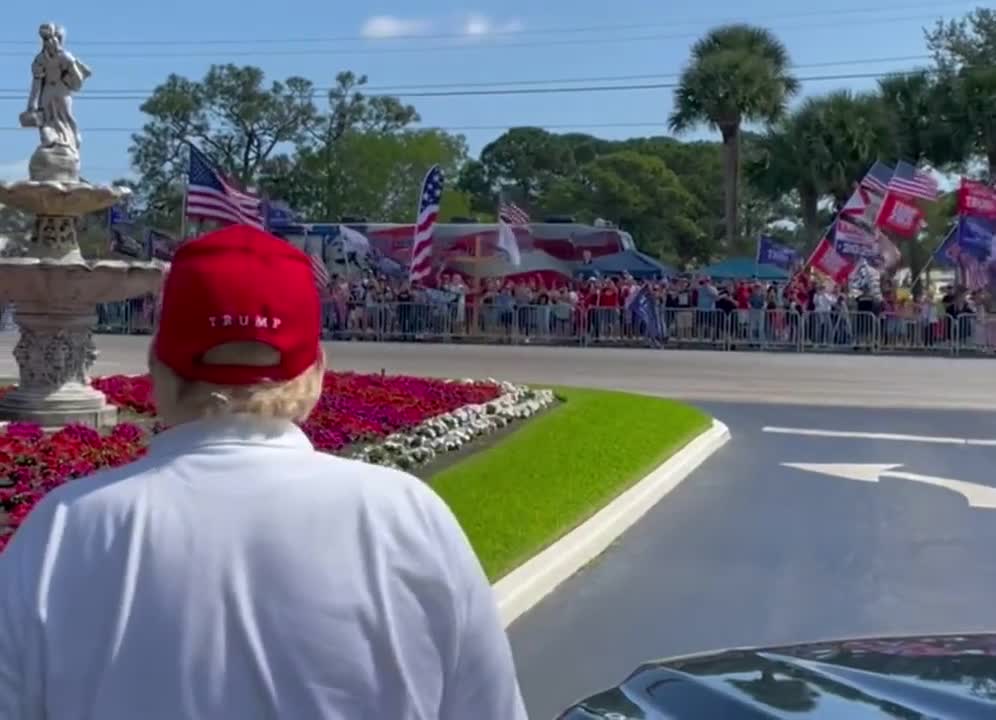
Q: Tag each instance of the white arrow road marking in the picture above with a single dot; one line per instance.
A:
(980, 496)
(939, 440)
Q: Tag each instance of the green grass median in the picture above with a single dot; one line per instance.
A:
(542, 480)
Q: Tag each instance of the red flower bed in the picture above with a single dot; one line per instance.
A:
(353, 409)
(32, 463)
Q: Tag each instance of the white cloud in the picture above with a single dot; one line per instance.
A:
(380, 27)
(477, 25)
(11, 171)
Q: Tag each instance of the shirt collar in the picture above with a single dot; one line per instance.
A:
(238, 429)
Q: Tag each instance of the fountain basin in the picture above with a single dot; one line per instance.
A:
(56, 303)
(63, 199)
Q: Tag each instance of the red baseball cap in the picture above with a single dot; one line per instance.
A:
(238, 284)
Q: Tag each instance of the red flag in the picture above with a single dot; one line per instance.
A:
(976, 199)
(899, 216)
(831, 263)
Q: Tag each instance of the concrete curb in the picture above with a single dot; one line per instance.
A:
(524, 587)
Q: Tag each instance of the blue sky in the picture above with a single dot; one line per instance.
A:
(481, 42)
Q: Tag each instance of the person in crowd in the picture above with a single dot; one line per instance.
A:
(756, 311)
(454, 284)
(824, 299)
(705, 303)
(234, 571)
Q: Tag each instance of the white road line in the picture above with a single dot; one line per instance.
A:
(938, 440)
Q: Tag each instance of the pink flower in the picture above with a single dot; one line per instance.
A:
(353, 409)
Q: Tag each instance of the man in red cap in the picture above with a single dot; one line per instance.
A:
(235, 572)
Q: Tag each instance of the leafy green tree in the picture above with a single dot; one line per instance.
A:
(524, 160)
(473, 182)
(311, 180)
(924, 118)
(819, 150)
(737, 74)
(699, 166)
(374, 174)
(782, 166)
(964, 52)
(542, 171)
(640, 194)
(231, 115)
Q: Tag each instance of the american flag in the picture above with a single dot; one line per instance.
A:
(318, 268)
(209, 196)
(322, 277)
(910, 182)
(878, 177)
(425, 224)
(513, 214)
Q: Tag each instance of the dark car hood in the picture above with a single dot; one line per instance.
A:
(946, 676)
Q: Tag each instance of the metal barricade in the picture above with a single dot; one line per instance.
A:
(968, 333)
(909, 333)
(128, 317)
(835, 330)
(691, 327)
(761, 329)
(563, 324)
(983, 340)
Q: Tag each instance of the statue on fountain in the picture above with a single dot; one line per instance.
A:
(56, 75)
(55, 290)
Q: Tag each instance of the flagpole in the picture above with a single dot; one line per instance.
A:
(183, 206)
(933, 254)
(757, 256)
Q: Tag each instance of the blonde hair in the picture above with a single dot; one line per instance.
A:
(179, 400)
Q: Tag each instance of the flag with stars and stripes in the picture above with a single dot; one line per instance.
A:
(314, 248)
(425, 224)
(321, 273)
(210, 197)
(878, 177)
(512, 214)
(910, 182)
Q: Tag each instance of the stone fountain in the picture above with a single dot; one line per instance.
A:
(54, 289)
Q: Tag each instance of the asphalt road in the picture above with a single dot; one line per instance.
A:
(789, 378)
(748, 552)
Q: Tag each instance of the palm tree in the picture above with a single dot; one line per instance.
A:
(846, 133)
(820, 150)
(926, 118)
(736, 74)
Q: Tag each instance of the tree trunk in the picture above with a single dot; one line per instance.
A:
(809, 202)
(731, 180)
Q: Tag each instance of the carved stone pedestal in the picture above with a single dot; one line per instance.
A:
(54, 356)
(55, 290)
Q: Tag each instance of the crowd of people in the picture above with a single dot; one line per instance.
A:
(596, 305)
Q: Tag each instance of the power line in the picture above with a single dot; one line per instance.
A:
(560, 90)
(518, 32)
(448, 128)
(136, 94)
(662, 123)
(458, 45)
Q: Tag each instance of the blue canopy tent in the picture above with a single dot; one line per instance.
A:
(742, 267)
(636, 263)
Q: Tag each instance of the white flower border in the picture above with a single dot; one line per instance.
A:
(451, 431)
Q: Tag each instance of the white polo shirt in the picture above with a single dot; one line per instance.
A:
(235, 573)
